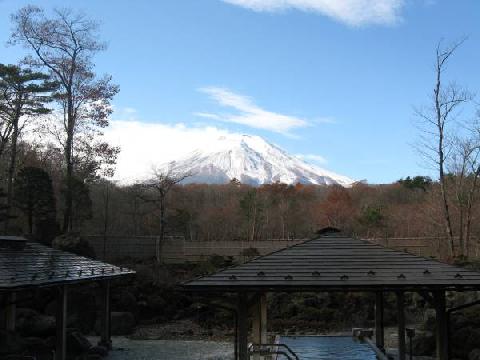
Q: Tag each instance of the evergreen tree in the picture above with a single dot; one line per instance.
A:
(24, 95)
(4, 208)
(64, 43)
(33, 195)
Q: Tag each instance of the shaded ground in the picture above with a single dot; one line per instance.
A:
(127, 349)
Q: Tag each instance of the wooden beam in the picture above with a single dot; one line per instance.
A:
(242, 327)
(401, 324)
(61, 323)
(379, 325)
(105, 320)
(441, 328)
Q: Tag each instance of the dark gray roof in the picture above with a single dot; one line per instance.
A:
(39, 265)
(338, 263)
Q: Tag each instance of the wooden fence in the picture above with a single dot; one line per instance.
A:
(436, 247)
(177, 249)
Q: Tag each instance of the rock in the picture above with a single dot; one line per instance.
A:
(74, 243)
(31, 323)
(464, 341)
(423, 344)
(124, 300)
(77, 343)
(474, 354)
(92, 357)
(37, 344)
(10, 342)
(122, 323)
(98, 350)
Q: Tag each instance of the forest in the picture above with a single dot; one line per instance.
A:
(57, 170)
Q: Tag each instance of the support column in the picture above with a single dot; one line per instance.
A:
(105, 321)
(61, 323)
(379, 326)
(401, 324)
(10, 311)
(263, 318)
(242, 327)
(259, 323)
(441, 328)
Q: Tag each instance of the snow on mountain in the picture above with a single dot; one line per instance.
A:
(252, 160)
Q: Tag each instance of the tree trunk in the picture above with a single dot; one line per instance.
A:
(441, 160)
(162, 226)
(11, 167)
(30, 213)
(67, 219)
(468, 224)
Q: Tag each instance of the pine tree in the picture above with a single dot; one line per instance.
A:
(24, 95)
(33, 195)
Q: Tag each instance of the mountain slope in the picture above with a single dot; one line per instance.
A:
(252, 160)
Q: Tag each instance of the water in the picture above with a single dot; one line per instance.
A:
(126, 349)
(328, 348)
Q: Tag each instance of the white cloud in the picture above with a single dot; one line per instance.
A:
(145, 146)
(313, 158)
(248, 113)
(351, 12)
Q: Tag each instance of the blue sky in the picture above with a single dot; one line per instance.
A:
(335, 81)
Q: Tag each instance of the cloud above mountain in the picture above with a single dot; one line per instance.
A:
(350, 12)
(145, 146)
(246, 112)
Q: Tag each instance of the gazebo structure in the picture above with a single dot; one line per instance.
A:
(332, 262)
(26, 265)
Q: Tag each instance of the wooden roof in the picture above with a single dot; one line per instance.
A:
(34, 264)
(335, 262)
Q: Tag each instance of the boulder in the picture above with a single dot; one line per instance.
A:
(464, 341)
(98, 350)
(92, 357)
(474, 354)
(423, 343)
(122, 323)
(37, 344)
(74, 243)
(31, 323)
(10, 342)
(77, 343)
(124, 300)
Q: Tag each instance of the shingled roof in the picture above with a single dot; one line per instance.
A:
(25, 264)
(335, 262)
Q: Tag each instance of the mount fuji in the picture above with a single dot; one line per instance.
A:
(251, 160)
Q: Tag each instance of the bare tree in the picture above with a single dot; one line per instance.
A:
(436, 143)
(160, 184)
(464, 168)
(64, 44)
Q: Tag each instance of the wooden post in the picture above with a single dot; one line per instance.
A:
(379, 326)
(263, 318)
(259, 323)
(61, 323)
(242, 327)
(105, 336)
(10, 311)
(256, 327)
(401, 325)
(441, 328)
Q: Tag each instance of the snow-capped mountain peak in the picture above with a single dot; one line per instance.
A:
(252, 160)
